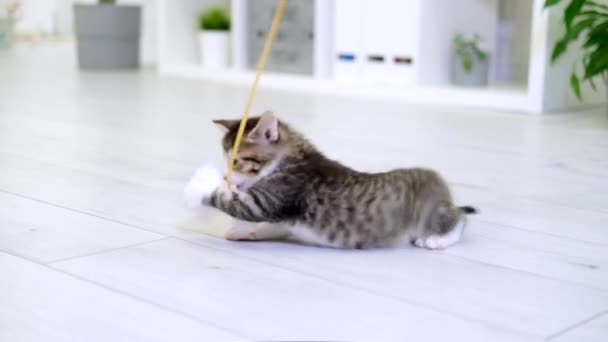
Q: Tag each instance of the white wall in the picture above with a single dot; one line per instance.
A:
(37, 17)
(180, 20)
(149, 33)
(513, 41)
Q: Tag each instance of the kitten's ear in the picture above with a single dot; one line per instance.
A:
(267, 128)
(226, 125)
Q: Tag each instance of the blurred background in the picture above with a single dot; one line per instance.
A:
(476, 53)
(106, 110)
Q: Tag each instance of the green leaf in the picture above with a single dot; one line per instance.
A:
(598, 62)
(595, 69)
(467, 63)
(571, 35)
(592, 83)
(580, 26)
(483, 56)
(215, 18)
(597, 34)
(573, 9)
(559, 48)
(585, 61)
(595, 43)
(592, 14)
(596, 5)
(467, 49)
(575, 84)
(549, 3)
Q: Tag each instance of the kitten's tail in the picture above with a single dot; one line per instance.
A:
(468, 210)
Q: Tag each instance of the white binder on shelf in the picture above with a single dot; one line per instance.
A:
(390, 41)
(347, 58)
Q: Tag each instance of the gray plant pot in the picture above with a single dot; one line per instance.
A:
(478, 76)
(107, 36)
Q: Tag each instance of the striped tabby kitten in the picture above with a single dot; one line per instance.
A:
(290, 189)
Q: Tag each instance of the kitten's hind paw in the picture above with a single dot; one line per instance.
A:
(202, 184)
(436, 242)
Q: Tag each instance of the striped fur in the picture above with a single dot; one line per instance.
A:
(284, 180)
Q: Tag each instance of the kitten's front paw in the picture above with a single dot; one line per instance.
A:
(202, 184)
(240, 234)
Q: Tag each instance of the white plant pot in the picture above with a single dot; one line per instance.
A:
(214, 48)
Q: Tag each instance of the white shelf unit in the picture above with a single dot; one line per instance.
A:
(536, 87)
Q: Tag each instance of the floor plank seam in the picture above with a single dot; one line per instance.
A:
(576, 325)
(571, 282)
(95, 149)
(361, 289)
(84, 213)
(143, 300)
(84, 171)
(539, 232)
(108, 250)
(558, 204)
(165, 235)
(23, 257)
(172, 236)
(480, 187)
(527, 197)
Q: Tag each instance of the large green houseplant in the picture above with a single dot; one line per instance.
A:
(587, 19)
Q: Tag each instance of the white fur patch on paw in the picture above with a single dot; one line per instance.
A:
(205, 180)
(240, 234)
(442, 241)
(435, 242)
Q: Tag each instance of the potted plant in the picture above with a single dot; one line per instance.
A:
(8, 9)
(589, 19)
(214, 26)
(107, 35)
(470, 65)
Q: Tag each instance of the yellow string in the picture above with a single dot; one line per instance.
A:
(274, 29)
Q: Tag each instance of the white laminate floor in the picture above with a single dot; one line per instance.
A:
(92, 246)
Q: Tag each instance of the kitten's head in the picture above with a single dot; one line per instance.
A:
(263, 146)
